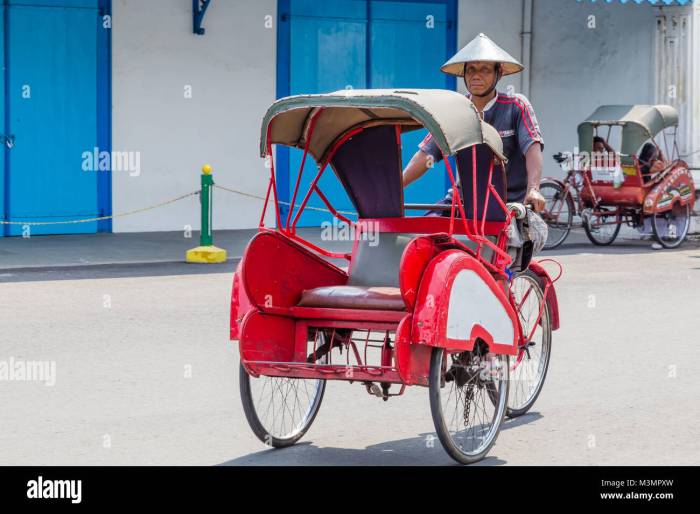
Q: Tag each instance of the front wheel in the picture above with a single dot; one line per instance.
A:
(460, 385)
(671, 227)
(529, 368)
(602, 225)
(558, 213)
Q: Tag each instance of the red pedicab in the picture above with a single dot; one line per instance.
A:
(432, 303)
(657, 201)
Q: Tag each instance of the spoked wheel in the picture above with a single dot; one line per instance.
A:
(529, 369)
(671, 227)
(467, 422)
(280, 410)
(558, 213)
(602, 226)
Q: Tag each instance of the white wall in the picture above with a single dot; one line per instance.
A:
(500, 20)
(232, 73)
(575, 69)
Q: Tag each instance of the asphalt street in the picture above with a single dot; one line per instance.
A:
(145, 373)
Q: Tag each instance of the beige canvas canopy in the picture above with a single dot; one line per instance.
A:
(638, 122)
(449, 116)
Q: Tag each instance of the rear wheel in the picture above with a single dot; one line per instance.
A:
(558, 213)
(280, 410)
(602, 225)
(529, 368)
(671, 227)
(466, 421)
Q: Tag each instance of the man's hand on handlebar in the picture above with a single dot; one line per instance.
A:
(535, 199)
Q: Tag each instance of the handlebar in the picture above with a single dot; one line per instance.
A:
(559, 157)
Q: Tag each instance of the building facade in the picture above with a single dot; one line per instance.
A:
(114, 106)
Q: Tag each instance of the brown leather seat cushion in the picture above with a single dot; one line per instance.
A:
(354, 297)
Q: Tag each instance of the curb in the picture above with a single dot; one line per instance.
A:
(122, 264)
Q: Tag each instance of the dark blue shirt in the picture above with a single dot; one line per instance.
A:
(512, 116)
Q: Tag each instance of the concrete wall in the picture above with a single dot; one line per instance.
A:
(232, 73)
(501, 20)
(575, 68)
(231, 70)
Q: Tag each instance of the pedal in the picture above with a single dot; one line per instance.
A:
(374, 389)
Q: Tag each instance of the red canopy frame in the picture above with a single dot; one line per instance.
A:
(476, 233)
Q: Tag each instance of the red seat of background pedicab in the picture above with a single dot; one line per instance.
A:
(373, 281)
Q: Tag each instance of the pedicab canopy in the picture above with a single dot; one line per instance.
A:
(638, 122)
(368, 163)
(449, 116)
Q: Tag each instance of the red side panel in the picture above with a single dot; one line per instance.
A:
(416, 257)
(551, 298)
(412, 360)
(266, 337)
(240, 304)
(459, 302)
(676, 187)
(275, 270)
(607, 194)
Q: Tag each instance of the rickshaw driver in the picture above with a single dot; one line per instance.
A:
(481, 64)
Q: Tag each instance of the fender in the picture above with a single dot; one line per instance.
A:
(676, 187)
(459, 302)
(240, 305)
(551, 180)
(551, 298)
(414, 260)
(265, 337)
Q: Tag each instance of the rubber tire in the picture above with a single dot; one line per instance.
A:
(601, 243)
(570, 204)
(254, 421)
(680, 239)
(434, 381)
(514, 413)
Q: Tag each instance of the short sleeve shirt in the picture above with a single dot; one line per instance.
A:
(514, 119)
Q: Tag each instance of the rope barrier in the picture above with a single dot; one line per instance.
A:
(162, 204)
(100, 218)
(296, 206)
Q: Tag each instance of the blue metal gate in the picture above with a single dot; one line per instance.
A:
(338, 44)
(55, 109)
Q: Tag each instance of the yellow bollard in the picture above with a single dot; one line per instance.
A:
(206, 252)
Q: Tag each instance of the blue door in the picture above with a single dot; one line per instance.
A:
(53, 51)
(356, 44)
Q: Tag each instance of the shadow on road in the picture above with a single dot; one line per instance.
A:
(424, 450)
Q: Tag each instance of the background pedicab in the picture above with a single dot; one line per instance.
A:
(659, 201)
(431, 304)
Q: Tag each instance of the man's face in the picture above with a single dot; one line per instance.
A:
(598, 147)
(479, 76)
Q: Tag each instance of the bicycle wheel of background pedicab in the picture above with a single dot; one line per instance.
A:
(558, 213)
(529, 369)
(602, 228)
(280, 410)
(466, 422)
(671, 227)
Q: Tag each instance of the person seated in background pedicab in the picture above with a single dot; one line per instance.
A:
(481, 64)
(651, 161)
(601, 146)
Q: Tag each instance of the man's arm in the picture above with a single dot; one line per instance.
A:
(531, 143)
(416, 167)
(533, 163)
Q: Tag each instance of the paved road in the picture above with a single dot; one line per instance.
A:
(145, 373)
